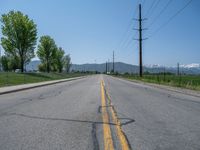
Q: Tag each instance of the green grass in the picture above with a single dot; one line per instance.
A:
(184, 81)
(11, 78)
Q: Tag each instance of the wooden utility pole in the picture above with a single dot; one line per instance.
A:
(113, 62)
(140, 41)
(106, 67)
(140, 29)
(178, 69)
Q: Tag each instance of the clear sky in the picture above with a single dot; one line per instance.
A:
(89, 30)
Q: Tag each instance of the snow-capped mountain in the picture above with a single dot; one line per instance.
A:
(193, 65)
(153, 66)
(193, 68)
(187, 66)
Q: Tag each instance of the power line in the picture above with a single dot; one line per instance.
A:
(126, 36)
(134, 43)
(143, 3)
(153, 8)
(126, 40)
(172, 17)
(125, 33)
(129, 39)
(128, 43)
(127, 29)
(147, 12)
(161, 12)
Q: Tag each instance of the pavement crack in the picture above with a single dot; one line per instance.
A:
(100, 108)
(120, 133)
(127, 122)
(121, 124)
(94, 137)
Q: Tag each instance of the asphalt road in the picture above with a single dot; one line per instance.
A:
(99, 112)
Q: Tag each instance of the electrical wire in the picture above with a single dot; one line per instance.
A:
(153, 8)
(172, 17)
(160, 13)
(126, 36)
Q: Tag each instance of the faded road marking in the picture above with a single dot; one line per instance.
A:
(121, 136)
(108, 142)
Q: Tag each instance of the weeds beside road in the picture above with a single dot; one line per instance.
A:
(184, 81)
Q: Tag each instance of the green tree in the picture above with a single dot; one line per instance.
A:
(19, 36)
(13, 62)
(59, 60)
(5, 63)
(9, 63)
(42, 67)
(47, 51)
(67, 63)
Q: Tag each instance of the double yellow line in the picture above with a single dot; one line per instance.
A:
(108, 141)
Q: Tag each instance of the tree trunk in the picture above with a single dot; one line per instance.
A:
(60, 70)
(22, 65)
(48, 67)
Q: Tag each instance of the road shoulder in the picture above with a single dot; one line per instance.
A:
(17, 88)
(165, 87)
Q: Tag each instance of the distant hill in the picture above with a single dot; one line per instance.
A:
(123, 67)
(119, 67)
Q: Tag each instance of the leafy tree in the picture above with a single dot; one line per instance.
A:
(19, 36)
(9, 63)
(67, 63)
(5, 63)
(47, 51)
(14, 62)
(42, 67)
(59, 60)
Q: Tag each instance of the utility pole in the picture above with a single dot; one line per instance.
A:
(140, 40)
(106, 67)
(178, 69)
(95, 66)
(113, 62)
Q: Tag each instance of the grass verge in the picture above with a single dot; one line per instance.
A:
(183, 81)
(12, 78)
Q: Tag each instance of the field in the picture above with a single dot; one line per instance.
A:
(185, 81)
(11, 78)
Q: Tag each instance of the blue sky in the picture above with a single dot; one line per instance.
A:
(89, 30)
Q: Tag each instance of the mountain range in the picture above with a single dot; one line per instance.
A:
(120, 67)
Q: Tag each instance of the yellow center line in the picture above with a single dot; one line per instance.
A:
(108, 142)
(120, 134)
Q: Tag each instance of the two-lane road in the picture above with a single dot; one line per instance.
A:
(99, 112)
